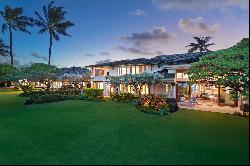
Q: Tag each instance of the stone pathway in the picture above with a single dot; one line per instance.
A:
(210, 106)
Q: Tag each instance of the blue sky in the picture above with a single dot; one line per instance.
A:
(126, 29)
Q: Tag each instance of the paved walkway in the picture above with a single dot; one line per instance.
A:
(206, 105)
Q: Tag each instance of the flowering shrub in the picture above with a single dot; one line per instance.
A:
(151, 100)
(157, 104)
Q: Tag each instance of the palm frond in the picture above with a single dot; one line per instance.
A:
(55, 36)
(15, 20)
(201, 44)
(45, 12)
(4, 27)
(42, 30)
(3, 49)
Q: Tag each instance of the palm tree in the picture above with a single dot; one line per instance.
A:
(14, 20)
(201, 45)
(53, 23)
(3, 49)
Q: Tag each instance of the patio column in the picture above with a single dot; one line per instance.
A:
(104, 88)
(169, 90)
(173, 91)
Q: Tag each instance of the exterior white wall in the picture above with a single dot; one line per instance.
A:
(155, 89)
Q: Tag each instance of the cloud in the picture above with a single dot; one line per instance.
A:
(147, 43)
(89, 55)
(37, 56)
(103, 61)
(200, 5)
(105, 53)
(197, 26)
(133, 50)
(141, 40)
(137, 12)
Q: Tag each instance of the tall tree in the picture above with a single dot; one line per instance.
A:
(4, 49)
(227, 67)
(14, 20)
(201, 45)
(53, 23)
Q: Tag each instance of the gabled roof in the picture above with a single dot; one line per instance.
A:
(174, 59)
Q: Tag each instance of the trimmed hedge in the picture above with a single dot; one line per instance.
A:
(47, 98)
(97, 93)
(123, 97)
(34, 93)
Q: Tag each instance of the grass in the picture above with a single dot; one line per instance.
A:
(85, 132)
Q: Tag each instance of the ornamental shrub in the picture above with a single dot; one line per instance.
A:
(122, 97)
(97, 93)
(172, 104)
(68, 90)
(48, 98)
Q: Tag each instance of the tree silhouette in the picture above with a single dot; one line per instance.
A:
(4, 49)
(53, 23)
(201, 45)
(14, 20)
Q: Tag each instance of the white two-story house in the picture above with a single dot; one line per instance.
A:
(174, 68)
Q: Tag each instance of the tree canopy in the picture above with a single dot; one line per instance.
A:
(8, 73)
(227, 67)
(136, 81)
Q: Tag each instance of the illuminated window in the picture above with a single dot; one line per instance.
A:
(185, 75)
(123, 70)
(137, 69)
(133, 69)
(100, 85)
(179, 75)
(128, 70)
(99, 72)
(142, 69)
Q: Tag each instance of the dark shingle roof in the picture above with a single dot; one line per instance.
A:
(174, 59)
(73, 70)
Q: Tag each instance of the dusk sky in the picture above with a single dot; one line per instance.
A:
(126, 29)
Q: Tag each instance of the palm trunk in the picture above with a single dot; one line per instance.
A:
(11, 54)
(50, 46)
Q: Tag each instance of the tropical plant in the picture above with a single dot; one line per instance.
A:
(114, 81)
(201, 45)
(53, 23)
(14, 20)
(76, 79)
(4, 48)
(42, 73)
(137, 81)
(227, 67)
(8, 73)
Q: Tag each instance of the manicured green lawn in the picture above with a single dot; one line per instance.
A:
(85, 132)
